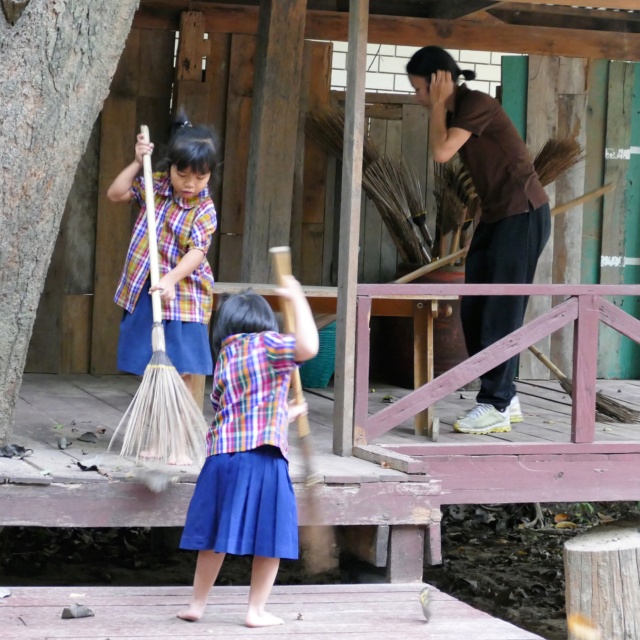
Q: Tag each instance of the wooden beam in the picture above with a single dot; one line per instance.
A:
(274, 128)
(461, 34)
(354, 132)
(625, 5)
(521, 13)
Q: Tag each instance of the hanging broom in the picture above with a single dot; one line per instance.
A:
(163, 422)
(318, 543)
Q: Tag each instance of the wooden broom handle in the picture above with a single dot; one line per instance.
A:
(547, 363)
(150, 202)
(281, 260)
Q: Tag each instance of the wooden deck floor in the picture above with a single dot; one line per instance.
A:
(357, 612)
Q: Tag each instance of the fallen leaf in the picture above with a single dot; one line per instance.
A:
(58, 426)
(561, 517)
(566, 525)
(388, 399)
(101, 430)
(64, 443)
(76, 611)
(88, 436)
(91, 464)
(384, 464)
(300, 616)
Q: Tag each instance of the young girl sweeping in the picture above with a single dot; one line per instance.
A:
(185, 221)
(243, 502)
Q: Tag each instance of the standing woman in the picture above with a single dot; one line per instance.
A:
(514, 224)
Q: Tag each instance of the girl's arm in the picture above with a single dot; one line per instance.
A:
(306, 332)
(119, 189)
(444, 143)
(187, 265)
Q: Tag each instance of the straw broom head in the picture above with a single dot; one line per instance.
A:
(398, 196)
(326, 127)
(557, 156)
(163, 423)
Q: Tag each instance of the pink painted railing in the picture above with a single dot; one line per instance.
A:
(585, 306)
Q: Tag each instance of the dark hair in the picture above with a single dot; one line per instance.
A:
(189, 146)
(244, 312)
(426, 61)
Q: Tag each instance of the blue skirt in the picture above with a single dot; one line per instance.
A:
(187, 342)
(244, 504)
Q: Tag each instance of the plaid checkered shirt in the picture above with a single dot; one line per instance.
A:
(182, 224)
(251, 385)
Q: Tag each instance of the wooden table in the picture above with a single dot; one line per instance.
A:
(323, 300)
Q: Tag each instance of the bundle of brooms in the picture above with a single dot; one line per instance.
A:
(387, 181)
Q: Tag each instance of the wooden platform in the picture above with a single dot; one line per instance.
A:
(357, 612)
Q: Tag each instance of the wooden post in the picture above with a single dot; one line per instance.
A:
(602, 573)
(350, 227)
(406, 554)
(585, 364)
(361, 377)
(274, 128)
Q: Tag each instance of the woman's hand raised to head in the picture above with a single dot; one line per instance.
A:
(441, 87)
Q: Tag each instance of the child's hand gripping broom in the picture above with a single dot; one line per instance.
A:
(318, 543)
(163, 421)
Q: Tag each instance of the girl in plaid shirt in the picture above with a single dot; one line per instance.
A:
(185, 221)
(243, 502)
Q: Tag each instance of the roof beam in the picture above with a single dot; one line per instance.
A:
(453, 34)
(625, 5)
(522, 13)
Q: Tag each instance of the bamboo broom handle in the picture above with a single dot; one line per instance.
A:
(149, 199)
(547, 363)
(281, 260)
(432, 266)
(587, 197)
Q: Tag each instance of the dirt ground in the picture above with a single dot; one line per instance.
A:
(493, 559)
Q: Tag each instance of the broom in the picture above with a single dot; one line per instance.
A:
(318, 542)
(607, 409)
(163, 421)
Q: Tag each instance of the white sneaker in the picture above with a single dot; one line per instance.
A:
(484, 419)
(515, 411)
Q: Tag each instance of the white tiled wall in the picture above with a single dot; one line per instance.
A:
(386, 68)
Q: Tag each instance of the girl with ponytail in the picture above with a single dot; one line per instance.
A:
(514, 224)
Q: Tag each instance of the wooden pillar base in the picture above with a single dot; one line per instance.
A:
(602, 572)
(433, 545)
(368, 543)
(406, 554)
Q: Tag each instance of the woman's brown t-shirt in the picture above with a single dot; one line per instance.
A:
(496, 157)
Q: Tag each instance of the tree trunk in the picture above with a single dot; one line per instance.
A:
(602, 573)
(56, 64)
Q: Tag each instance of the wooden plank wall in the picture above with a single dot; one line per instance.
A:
(140, 94)
(399, 127)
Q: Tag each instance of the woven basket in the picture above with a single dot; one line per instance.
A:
(316, 373)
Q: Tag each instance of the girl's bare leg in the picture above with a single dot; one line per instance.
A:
(207, 569)
(263, 575)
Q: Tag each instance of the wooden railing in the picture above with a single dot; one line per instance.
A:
(585, 306)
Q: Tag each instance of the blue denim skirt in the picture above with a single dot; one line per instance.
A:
(244, 504)
(187, 342)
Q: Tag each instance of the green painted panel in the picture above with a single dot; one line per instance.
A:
(598, 82)
(515, 82)
(630, 351)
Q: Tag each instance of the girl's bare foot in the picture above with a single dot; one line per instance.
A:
(264, 619)
(193, 613)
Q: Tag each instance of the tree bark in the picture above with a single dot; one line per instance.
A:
(602, 573)
(57, 64)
